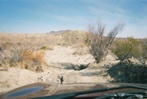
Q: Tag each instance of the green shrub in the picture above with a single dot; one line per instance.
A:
(127, 48)
(44, 48)
(49, 47)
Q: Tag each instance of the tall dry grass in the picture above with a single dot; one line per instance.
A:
(73, 37)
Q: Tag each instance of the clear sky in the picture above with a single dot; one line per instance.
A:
(43, 16)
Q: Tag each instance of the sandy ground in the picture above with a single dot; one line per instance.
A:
(65, 55)
(60, 61)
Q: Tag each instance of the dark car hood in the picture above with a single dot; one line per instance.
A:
(46, 89)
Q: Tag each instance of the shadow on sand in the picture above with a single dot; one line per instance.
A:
(128, 72)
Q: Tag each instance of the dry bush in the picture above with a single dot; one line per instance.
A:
(33, 55)
(34, 60)
(99, 44)
(20, 50)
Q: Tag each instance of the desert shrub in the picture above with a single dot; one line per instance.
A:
(99, 44)
(33, 55)
(44, 48)
(33, 60)
(128, 72)
(49, 47)
(127, 48)
(12, 54)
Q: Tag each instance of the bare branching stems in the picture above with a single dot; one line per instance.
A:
(98, 42)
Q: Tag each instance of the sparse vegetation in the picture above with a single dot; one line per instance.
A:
(44, 48)
(132, 68)
(27, 51)
(98, 42)
(49, 47)
(19, 51)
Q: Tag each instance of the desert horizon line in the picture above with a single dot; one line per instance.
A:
(65, 30)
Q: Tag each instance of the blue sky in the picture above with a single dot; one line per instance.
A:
(43, 16)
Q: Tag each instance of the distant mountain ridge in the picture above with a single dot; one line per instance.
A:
(60, 31)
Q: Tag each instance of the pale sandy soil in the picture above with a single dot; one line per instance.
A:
(65, 55)
(60, 61)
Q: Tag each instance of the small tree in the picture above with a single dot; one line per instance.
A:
(99, 44)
